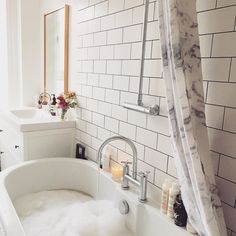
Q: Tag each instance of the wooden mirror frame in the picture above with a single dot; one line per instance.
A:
(66, 48)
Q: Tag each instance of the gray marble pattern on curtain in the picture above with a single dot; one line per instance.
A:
(185, 98)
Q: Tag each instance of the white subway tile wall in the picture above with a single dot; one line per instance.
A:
(107, 40)
(217, 22)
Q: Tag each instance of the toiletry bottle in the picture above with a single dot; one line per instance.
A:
(40, 102)
(107, 159)
(165, 196)
(53, 106)
(174, 190)
(180, 214)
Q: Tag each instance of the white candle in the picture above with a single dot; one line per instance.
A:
(117, 172)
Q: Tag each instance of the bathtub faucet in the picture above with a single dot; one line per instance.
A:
(142, 183)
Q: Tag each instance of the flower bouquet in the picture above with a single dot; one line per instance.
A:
(67, 101)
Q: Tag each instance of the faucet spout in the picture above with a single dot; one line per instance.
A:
(131, 144)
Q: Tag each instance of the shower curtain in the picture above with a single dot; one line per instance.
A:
(185, 98)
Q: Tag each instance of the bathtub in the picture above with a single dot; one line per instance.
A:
(66, 173)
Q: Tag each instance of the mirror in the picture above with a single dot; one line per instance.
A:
(56, 33)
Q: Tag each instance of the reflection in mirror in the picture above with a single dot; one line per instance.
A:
(56, 51)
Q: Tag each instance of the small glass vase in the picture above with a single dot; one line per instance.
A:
(63, 114)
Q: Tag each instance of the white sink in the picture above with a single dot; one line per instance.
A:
(31, 114)
(32, 119)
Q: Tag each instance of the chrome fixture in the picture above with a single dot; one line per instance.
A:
(152, 110)
(123, 207)
(142, 184)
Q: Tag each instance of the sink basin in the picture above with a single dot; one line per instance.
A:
(31, 114)
(32, 119)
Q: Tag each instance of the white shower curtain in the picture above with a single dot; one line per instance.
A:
(185, 98)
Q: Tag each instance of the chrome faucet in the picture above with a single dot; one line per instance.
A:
(142, 184)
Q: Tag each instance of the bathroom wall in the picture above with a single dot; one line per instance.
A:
(217, 26)
(105, 48)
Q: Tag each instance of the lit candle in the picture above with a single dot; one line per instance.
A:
(117, 172)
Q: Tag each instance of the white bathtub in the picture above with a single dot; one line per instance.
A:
(65, 173)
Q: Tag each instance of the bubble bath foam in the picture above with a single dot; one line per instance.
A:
(69, 213)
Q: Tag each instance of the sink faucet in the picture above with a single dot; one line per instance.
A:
(142, 184)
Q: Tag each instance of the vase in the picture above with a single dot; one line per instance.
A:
(63, 114)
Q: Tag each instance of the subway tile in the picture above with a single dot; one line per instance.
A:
(203, 5)
(215, 157)
(100, 66)
(219, 20)
(222, 45)
(85, 138)
(115, 36)
(98, 119)
(106, 52)
(163, 107)
(132, 33)
(134, 84)
(121, 83)
(86, 115)
(153, 68)
(132, 3)
(127, 130)
(227, 190)
(86, 91)
(114, 67)
(111, 124)
(115, 6)
(91, 129)
(93, 53)
(233, 71)
(124, 18)
(157, 87)
(101, 9)
(214, 116)
(81, 125)
(160, 178)
(222, 142)
(138, 15)
(93, 78)
(156, 159)
(229, 120)
(100, 38)
(82, 4)
(92, 104)
(164, 145)
(216, 69)
(131, 67)
(112, 96)
(119, 112)
(227, 168)
(223, 3)
(153, 30)
(156, 49)
(230, 216)
(104, 108)
(87, 66)
(122, 51)
(88, 40)
(103, 134)
(105, 81)
(140, 150)
(108, 22)
(127, 97)
(94, 25)
(137, 118)
(98, 93)
(205, 45)
(86, 14)
(146, 137)
(171, 169)
(83, 54)
(96, 143)
(221, 94)
(158, 124)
